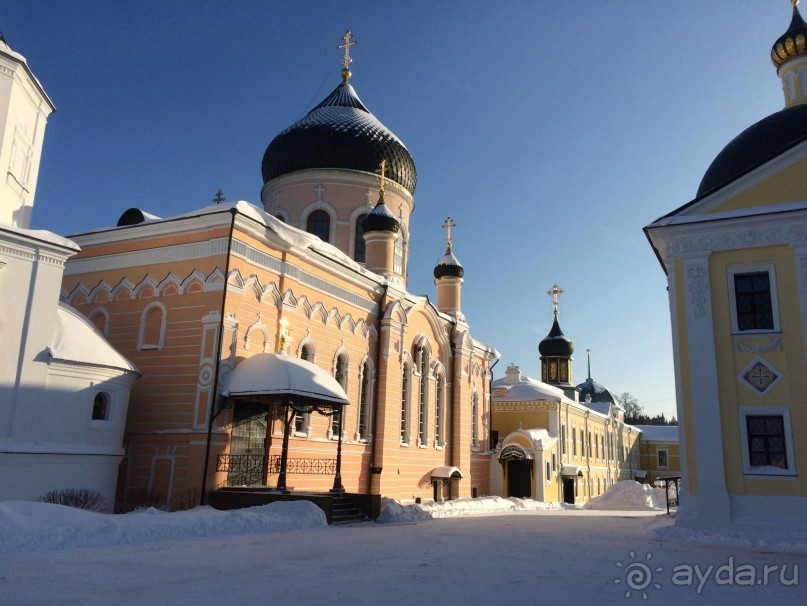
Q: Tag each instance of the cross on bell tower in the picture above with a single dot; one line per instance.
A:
(555, 292)
(448, 225)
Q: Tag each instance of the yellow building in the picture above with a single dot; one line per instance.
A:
(321, 271)
(660, 455)
(736, 265)
(550, 446)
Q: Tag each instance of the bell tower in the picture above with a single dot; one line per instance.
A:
(24, 111)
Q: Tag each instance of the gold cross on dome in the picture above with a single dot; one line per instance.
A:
(382, 172)
(555, 292)
(348, 42)
(448, 224)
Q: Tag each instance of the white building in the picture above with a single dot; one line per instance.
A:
(64, 391)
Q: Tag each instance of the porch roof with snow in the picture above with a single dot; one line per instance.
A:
(277, 377)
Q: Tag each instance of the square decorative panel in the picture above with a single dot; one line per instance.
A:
(760, 376)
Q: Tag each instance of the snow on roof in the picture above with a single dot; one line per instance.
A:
(42, 235)
(528, 390)
(601, 407)
(76, 339)
(542, 436)
(659, 433)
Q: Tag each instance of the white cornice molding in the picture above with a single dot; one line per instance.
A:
(150, 256)
(691, 240)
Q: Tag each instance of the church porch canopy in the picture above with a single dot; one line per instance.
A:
(446, 472)
(279, 378)
(295, 385)
(572, 471)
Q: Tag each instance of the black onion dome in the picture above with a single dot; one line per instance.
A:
(448, 265)
(791, 44)
(755, 146)
(556, 343)
(340, 132)
(598, 393)
(381, 219)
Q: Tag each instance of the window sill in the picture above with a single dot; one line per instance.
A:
(770, 473)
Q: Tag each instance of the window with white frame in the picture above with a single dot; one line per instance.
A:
(752, 298)
(340, 374)
(439, 411)
(363, 430)
(663, 458)
(574, 441)
(319, 224)
(767, 441)
(405, 404)
(475, 421)
(423, 400)
(302, 419)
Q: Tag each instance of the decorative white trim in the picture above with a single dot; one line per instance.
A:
(743, 345)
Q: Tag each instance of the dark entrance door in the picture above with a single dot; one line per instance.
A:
(248, 445)
(518, 478)
(568, 490)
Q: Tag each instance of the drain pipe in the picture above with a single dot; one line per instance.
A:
(213, 413)
(381, 311)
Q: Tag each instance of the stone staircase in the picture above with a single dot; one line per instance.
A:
(345, 512)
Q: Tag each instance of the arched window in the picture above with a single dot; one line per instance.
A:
(358, 242)
(281, 218)
(363, 432)
(301, 420)
(100, 318)
(152, 327)
(405, 404)
(440, 411)
(475, 421)
(319, 224)
(100, 407)
(423, 400)
(398, 257)
(340, 374)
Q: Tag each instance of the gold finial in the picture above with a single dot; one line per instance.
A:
(448, 224)
(795, 3)
(346, 60)
(382, 172)
(555, 292)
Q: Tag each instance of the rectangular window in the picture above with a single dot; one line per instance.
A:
(574, 441)
(753, 299)
(661, 453)
(767, 441)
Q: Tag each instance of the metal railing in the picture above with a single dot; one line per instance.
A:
(322, 467)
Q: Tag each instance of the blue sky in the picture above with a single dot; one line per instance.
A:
(551, 132)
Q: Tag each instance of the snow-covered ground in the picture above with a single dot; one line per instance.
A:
(482, 551)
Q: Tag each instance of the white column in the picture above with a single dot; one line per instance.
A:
(712, 501)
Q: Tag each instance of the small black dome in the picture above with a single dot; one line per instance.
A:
(381, 219)
(598, 393)
(756, 145)
(448, 265)
(556, 343)
(340, 132)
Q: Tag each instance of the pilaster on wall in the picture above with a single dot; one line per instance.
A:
(712, 497)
